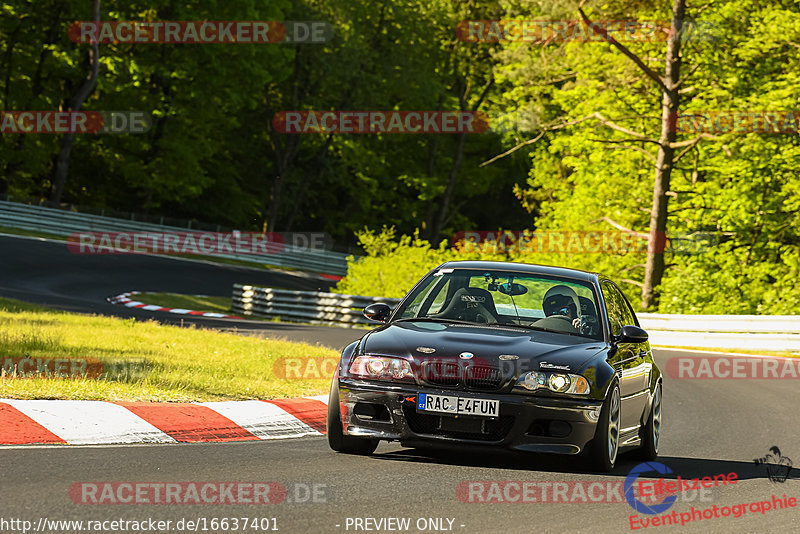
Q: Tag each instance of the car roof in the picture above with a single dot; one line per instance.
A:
(525, 268)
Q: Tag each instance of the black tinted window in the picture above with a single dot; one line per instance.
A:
(619, 313)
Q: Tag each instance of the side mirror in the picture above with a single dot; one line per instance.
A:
(631, 334)
(379, 312)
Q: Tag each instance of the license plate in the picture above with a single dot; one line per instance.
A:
(457, 405)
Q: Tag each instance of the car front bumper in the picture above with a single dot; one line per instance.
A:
(525, 422)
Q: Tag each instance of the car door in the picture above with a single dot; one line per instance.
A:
(630, 360)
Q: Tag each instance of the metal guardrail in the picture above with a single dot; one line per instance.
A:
(303, 306)
(735, 332)
(742, 332)
(758, 324)
(64, 223)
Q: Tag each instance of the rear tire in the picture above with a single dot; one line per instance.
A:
(605, 445)
(336, 438)
(652, 430)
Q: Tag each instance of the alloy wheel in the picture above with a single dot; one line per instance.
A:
(613, 426)
(656, 417)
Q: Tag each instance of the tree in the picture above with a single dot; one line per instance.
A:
(736, 189)
(74, 104)
(669, 85)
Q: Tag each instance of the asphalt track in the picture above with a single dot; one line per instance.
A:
(711, 427)
(45, 272)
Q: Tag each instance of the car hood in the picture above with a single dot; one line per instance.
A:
(492, 346)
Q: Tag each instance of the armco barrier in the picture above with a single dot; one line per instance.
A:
(64, 223)
(742, 332)
(762, 324)
(303, 306)
(734, 332)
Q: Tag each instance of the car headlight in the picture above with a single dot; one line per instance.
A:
(381, 368)
(558, 382)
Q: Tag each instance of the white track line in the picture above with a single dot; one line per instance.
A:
(90, 422)
(322, 398)
(265, 420)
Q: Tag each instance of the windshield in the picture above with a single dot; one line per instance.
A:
(515, 299)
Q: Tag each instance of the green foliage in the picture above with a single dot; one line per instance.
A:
(390, 268)
(212, 154)
(717, 280)
(742, 187)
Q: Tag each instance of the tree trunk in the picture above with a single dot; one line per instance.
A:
(447, 197)
(68, 141)
(285, 154)
(654, 269)
(433, 151)
(458, 159)
(430, 210)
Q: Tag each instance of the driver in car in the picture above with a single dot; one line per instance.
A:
(562, 301)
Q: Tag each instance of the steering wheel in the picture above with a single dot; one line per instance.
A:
(564, 318)
(589, 325)
(567, 327)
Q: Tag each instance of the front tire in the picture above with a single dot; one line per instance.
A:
(605, 446)
(336, 438)
(652, 430)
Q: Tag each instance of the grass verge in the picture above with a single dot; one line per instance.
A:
(129, 360)
(210, 304)
(30, 233)
(202, 303)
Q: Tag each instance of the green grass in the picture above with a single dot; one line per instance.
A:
(210, 304)
(30, 233)
(146, 361)
(195, 303)
(188, 302)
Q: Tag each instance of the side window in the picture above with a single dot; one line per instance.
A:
(613, 308)
(439, 289)
(440, 299)
(627, 313)
(619, 312)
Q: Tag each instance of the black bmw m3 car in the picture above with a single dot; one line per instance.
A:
(491, 354)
